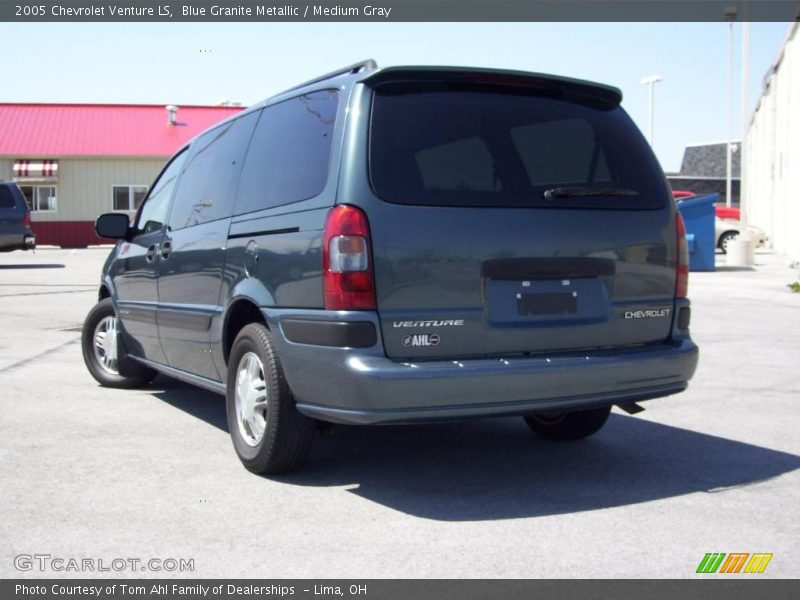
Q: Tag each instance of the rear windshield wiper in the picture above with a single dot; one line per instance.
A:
(584, 192)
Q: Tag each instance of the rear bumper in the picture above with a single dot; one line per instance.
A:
(378, 416)
(362, 386)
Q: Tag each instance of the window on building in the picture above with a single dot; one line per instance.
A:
(40, 198)
(128, 197)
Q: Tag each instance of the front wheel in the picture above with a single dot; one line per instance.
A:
(569, 425)
(104, 354)
(269, 434)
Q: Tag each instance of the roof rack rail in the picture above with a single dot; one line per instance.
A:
(351, 69)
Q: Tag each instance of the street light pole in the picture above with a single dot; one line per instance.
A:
(740, 249)
(743, 191)
(651, 81)
(730, 15)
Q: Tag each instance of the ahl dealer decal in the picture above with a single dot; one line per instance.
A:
(421, 339)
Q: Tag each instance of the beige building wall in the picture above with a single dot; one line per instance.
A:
(6, 169)
(772, 170)
(84, 188)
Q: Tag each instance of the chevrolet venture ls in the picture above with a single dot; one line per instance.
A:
(402, 245)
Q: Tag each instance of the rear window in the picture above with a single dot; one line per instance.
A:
(6, 199)
(489, 146)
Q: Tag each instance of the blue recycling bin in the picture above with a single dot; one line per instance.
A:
(698, 215)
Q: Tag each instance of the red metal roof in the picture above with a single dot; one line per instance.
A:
(53, 130)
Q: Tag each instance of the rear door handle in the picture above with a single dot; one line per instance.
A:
(150, 255)
(166, 250)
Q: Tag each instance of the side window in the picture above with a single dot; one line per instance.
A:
(208, 184)
(153, 212)
(290, 152)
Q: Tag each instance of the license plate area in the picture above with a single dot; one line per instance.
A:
(546, 302)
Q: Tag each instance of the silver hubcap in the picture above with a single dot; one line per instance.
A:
(251, 399)
(726, 240)
(105, 345)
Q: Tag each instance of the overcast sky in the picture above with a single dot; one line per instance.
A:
(203, 63)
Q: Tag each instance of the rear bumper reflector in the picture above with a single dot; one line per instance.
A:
(358, 334)
(684, 316)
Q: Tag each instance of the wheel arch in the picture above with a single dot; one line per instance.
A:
(725, 233)
(241, 312)
(106, 289)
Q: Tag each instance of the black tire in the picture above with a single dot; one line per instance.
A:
(125, 373)
(725, 239)
(569, 425)
(287, 435)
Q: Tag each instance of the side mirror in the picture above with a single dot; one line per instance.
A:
(112, 225)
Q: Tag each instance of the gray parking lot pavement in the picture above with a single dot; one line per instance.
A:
(148, 474)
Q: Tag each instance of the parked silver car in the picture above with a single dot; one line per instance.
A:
(726, 230)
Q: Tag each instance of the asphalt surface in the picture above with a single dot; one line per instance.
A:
(106, 474)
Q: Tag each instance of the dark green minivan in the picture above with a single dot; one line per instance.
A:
(404, 245)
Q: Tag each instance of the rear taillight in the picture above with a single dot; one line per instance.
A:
(26, 220)
(347, 278)
(682, 267)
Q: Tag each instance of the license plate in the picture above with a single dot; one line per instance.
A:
(547, 304)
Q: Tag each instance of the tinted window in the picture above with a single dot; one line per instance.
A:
(154, 210)
(6, 199)
(208, 184)
(290, 152)
(487, 146)
(463, 164)
(560, 152)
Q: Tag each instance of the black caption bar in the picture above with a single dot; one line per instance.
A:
(400, 10)
(383, 589)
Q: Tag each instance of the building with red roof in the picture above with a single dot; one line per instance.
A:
(76, 161)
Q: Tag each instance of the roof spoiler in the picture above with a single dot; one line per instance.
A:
(596, 95)
(365, 65)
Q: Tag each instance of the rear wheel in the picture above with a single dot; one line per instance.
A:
(569, 425)
(725, 239)
(269, 434)
(104, 354)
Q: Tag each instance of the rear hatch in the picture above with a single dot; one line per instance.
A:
(514, 214)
